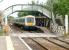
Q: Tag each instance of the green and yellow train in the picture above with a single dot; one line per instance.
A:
(27, 21)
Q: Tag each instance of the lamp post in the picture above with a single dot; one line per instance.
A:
(66, 24)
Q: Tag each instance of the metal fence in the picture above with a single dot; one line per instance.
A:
(57, 29)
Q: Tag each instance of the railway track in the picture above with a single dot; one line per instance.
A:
(16, 29)
(58, 42)
(62, 40)
(43, 43)
(46, 44)
(34, 45)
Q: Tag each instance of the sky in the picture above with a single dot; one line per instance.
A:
(6, 3)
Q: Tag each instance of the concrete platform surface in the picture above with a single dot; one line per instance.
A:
(3, 43)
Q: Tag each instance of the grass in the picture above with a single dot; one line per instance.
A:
(1, 33)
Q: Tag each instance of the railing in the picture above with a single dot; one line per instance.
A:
(57, 29)
(27, 7)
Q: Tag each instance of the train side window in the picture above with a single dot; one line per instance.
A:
(23, 20)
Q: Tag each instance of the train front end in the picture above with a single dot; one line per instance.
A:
(30, 21)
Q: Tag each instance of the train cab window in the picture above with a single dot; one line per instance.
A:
(30, 19)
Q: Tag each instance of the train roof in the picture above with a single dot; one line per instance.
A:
(29, 16)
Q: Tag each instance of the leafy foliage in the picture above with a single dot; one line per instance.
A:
(33, 3)
(34, 13)
(61, 8)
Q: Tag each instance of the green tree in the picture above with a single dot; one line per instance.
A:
(61, 8)
(21, 14)
(33, 2)
(58, 7)
(10, 18)
(49, 6)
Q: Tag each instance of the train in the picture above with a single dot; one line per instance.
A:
(26, 21)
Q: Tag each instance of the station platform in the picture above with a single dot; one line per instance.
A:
(33, 43)
(11, 43)
(33, 35)
(3, 43)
